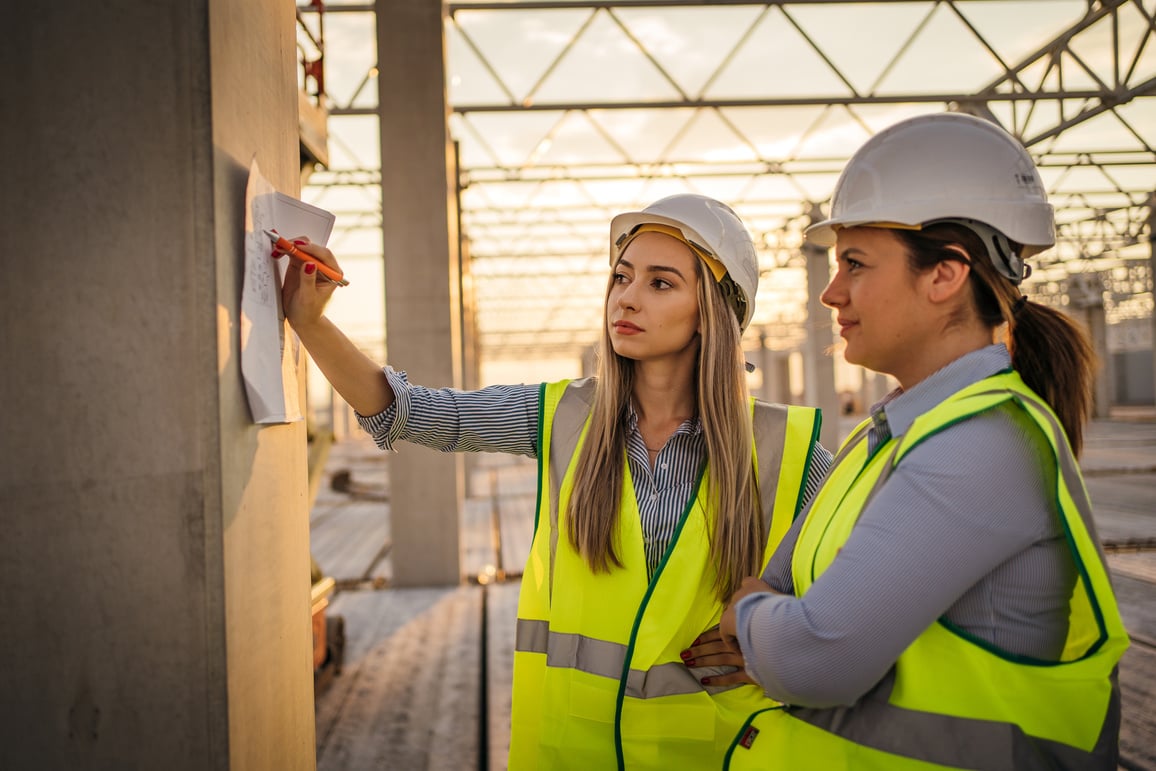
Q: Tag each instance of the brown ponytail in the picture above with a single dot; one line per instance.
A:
(1055, 358)
(1052, 353)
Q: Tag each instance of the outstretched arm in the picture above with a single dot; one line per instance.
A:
(355, 376)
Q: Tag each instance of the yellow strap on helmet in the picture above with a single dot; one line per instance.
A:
(887, 225)
(717, 269)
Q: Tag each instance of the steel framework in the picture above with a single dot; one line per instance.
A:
(567, 112)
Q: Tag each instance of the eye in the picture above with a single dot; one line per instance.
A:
(621, 278)
(853, 264)
(661, 283)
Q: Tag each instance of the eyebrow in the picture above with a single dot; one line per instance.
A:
(654, 268)
(848, 251)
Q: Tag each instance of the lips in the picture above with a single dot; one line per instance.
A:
(626, 328)
(845, 324)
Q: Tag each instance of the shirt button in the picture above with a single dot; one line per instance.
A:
(663, 467)
(654, 496)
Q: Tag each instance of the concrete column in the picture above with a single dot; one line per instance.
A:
(1152, 279)
(818, 364)
(776, 371)
(155, 555)
(422, 300)
(764, 364)
(1086, 296)
(470, 364)
(1097, 324)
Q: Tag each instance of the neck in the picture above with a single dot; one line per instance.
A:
(954, 343)
(664, 396)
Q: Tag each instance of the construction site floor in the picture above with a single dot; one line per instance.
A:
(425, 682)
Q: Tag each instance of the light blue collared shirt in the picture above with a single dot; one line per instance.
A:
(963, 529)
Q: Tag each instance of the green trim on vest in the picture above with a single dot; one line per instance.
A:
(598, 680)
(543, 456)
(816, 427)
(642, 611)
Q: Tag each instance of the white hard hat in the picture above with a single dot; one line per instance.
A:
(711, 228)
(946, 166)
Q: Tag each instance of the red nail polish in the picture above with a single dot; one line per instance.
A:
(299, 242)
(685, 654)
(705, 681)
(309, 269)
(689, 662)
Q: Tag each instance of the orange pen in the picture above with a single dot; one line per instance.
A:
(291, 249)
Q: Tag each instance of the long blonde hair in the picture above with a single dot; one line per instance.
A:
(723, 405)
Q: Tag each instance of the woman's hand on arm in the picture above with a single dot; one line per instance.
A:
(728, 626)
(304, 294)
(717, 647)
(709, 650)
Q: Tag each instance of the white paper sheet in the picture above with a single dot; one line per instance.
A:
(269, 349)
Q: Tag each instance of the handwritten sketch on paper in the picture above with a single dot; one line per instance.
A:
(269, 349)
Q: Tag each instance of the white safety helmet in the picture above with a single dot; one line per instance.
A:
(714, 231)
(946, 166)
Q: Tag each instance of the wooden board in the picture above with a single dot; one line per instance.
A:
(408, 695)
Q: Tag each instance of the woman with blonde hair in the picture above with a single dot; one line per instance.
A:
(944, 602)
(662, 484)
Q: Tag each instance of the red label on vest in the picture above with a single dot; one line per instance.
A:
(748, 737)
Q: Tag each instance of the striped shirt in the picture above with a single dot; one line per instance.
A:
(504, 418)
(965, 529)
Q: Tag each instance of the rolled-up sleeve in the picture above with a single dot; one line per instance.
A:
(501, 418)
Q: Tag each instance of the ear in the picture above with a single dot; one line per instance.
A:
(948, 279)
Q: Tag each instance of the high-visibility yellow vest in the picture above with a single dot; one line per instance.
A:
(598, 682)
(952, 700)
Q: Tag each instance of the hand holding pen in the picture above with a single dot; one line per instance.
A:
(286, 246)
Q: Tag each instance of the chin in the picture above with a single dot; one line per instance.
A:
(622, 351)
(851, 356)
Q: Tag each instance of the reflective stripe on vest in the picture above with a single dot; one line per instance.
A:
(598, 681)
(953, 701)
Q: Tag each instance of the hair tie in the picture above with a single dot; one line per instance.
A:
(1019, 304)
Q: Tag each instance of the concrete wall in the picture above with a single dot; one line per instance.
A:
(154, 559)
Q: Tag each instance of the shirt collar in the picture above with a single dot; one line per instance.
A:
(690, 426)
(900, 408)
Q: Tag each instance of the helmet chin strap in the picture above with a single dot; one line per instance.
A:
(999, 248)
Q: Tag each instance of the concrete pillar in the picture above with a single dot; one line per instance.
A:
(764, 365)
(776, 371)
(422, 299)
(471, 363)
(1152, 279)
(818, 364)
(1097, 323)
(1086, 298)
(155, 555)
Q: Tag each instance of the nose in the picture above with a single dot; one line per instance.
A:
(833, 296)
(627, 297)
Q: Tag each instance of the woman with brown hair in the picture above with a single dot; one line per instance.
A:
(943, 603)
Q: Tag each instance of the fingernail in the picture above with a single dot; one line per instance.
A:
(309, 269)
(299, 242)
(689, 662)
(705, 681)
(685, 654)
